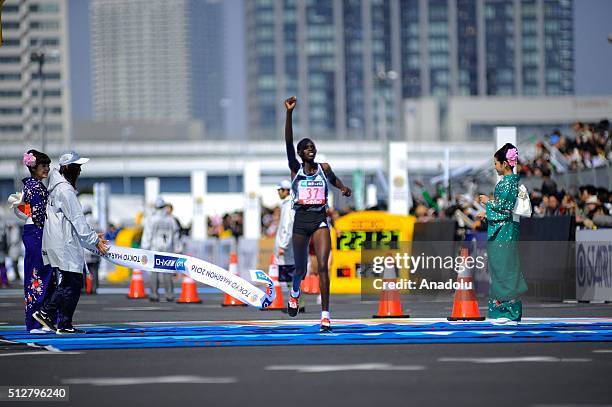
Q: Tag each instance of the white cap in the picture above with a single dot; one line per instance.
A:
(592, 200)
(159, 202)
(284, 184)
(72, 157)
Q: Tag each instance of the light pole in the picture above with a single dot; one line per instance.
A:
(40, 56)
(384, 78)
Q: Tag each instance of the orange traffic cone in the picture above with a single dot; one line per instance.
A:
(88, 284)
(309, 284)
(314, 285)
(189, 292)
(228, 300)
(465, 305)
(305, 284)
(303, 287)
(137, 285)
(389, 305)
(278, 303)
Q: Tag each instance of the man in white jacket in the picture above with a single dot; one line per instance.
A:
(161, 233)
(283, 246)
(65, 234)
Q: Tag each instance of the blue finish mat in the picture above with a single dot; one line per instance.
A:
(346, 332)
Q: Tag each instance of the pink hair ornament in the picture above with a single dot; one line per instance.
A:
(29, 160)
(512, 156)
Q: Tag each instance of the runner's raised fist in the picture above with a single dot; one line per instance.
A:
(290, 103)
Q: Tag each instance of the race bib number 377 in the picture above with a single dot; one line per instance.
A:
(311, 192)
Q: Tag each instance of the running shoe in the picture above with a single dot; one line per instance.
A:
(44, 320)
(503, 321)
(71, 330)
(325, 325)
(293, 306)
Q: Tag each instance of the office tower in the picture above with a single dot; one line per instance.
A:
(158, 60)
(352, 62)
(35, 40)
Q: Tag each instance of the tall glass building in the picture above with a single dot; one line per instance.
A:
(352, 62)
(155, 59)
(33, 109)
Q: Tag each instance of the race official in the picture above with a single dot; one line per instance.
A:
(283, 246)
(161, 233)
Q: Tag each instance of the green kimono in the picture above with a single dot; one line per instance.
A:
(507, 281)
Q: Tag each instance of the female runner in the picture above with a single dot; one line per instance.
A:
(309, 190)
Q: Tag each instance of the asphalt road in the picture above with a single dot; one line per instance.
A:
(514, 374)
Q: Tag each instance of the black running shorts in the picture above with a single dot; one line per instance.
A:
(306, 223)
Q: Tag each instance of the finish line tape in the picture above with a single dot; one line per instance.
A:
(197, 269)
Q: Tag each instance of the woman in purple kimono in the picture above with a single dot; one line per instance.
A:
(38, 279)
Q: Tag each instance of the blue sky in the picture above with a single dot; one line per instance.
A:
(593, 52)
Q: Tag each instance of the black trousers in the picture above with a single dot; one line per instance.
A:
(65, 297)
(285, 273)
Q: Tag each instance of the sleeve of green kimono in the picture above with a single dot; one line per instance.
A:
(500, 209)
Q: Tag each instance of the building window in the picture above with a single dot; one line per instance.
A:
(10, 9)
(48, 92)
(8, 111)
(51, 127)
(11, 127)
(10, 76)
(11, 42)
(44, 25)
(49, 110)
(10, 93)
(44, 8)
(10, 59)
(47, 75)
(49, 42)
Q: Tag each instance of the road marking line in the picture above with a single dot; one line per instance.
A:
(128, 381)
(342, 368)
(571, 405)
(514, 359)
(602, 351)
(42, 352)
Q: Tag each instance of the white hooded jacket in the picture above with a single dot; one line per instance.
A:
(161, 233)
(284, 234)
(66, 232)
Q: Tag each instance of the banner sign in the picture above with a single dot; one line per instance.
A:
(594, 265)
(199, 270)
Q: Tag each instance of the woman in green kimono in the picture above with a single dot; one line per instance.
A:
(507, 281)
